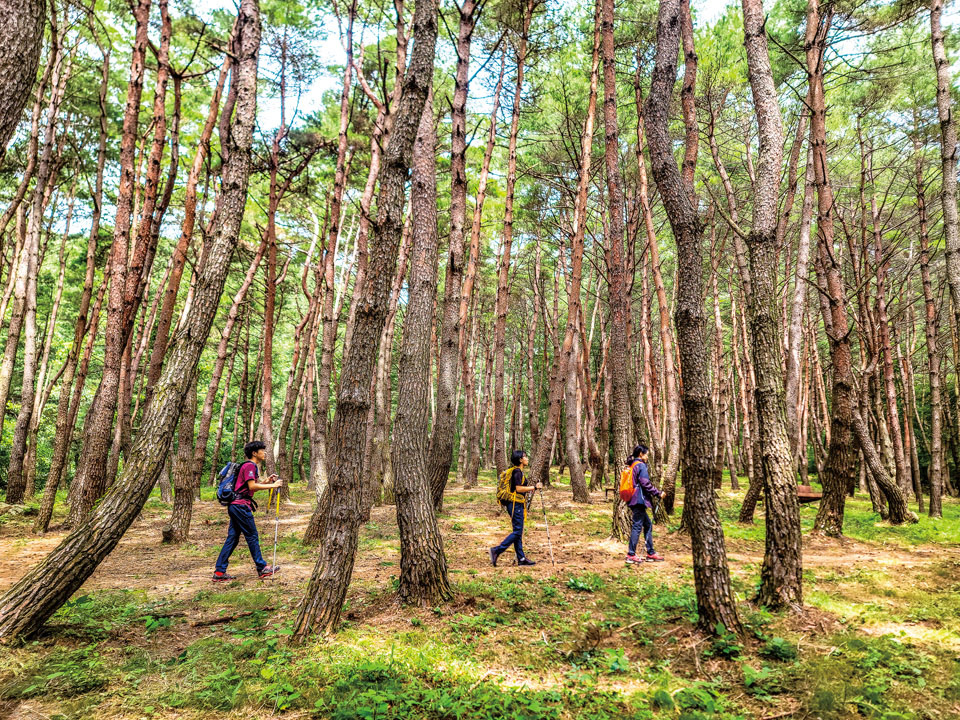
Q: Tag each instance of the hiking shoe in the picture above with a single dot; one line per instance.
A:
(494, 556)
(653, 557)
(633, 560)
(525, 561)
(222, 577)
(268, 571)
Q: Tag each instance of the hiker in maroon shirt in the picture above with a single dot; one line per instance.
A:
(241, 512)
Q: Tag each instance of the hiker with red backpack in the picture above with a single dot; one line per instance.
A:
(237, 486)
(639, 501)
(512, 494)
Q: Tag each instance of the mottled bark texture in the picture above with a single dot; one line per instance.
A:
(423, 565)
(440, 454)
(21, 27)
(711, 575)
(327, 587)
(619, 299)
(948, 154)
(39, 593)
(781, 582)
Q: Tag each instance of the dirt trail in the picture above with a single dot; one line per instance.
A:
(470, 525)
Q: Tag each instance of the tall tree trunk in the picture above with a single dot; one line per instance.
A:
(440, 453)
(933, 356)
(423, 565)
(318, 453)
(619, 301)
(327, 588)
(781, 582)
(91, 477)
(846, 420)
(21, 26)
(715, 601)
(41, 591)
(25, 303)
(668, 458)
(565, 362)
(900, 455)
(948, 155)
(503, 273)
(184, 477)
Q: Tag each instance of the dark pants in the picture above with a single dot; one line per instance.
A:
(241, 523)
(516, 537)
(641, 521)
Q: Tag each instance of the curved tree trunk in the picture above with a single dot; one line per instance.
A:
(715, 601)
(423, 565)
(781, 582)
(38, 594)
(327, 588)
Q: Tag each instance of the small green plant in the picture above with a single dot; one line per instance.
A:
(777, 648)
(155, 623)
(726, 644)
(761, 683)
(591, 582)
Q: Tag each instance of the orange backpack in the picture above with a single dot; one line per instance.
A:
(627, 488)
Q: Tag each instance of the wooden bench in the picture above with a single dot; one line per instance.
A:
(806, 494)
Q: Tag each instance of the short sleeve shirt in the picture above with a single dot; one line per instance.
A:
(248, 472)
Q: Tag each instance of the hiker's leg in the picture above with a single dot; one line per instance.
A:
(509, 539)
(647, 529)
(517, 520)
(233, 537)
(635, 528)
(249, 529)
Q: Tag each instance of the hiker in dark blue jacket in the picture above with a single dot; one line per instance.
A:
(639, 503)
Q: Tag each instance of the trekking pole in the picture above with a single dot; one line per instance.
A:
(276, 526)
(547, 525)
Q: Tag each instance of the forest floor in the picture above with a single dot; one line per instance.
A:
(589, 638)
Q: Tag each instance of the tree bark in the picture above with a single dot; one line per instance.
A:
(423, 565)
(32, 600)
(318, 454)
(440, 453)
(931, 330)
(565, 361)
(619, 301)
(25, 301)
(327, 588)
(503, 273)
(781, 583)
(715, 601)
(21, 26)
(91, 477)
(184, 477)
(948, 154)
